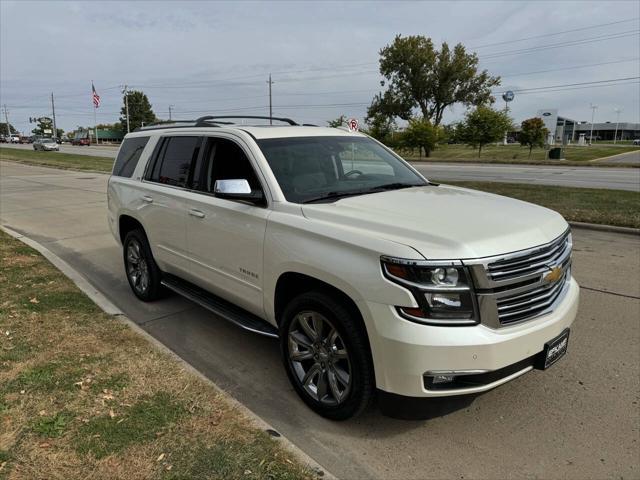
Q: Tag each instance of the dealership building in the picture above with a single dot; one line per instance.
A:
(566, 130)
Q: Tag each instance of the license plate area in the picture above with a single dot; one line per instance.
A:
(554, 350)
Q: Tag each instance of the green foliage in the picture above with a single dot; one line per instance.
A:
(533, 133)
(338, 122)
(420, 77)
(104, 435)
(482, 126)
(3, 128)
(53, 426)
(382, 128)
(423, 135)
(140, 111)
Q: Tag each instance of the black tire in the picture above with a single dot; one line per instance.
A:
(146, 287)
(351, 343)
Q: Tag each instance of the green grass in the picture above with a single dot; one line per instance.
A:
(574, 155)
(69, 161)
(143, 422)
(53, 426)
(590, 205)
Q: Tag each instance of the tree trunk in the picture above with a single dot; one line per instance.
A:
(530, 149)
(479, 150)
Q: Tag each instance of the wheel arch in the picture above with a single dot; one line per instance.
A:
(127, 223)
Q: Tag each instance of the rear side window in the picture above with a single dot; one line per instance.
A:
(174, 161)
(129, 155)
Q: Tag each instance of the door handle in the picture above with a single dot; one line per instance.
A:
(196, 213)
(147, 198)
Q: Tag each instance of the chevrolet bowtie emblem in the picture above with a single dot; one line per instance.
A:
(554, 275)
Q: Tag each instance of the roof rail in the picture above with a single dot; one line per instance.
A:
(204, 121)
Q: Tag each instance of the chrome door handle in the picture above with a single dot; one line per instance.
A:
(147, 198)
(196, 213)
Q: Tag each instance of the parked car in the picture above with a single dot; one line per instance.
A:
(81, 141)
(636, 141)
(14, 138)
(46, 144)
(375, 280)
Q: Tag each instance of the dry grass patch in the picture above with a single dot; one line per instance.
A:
(83, 396)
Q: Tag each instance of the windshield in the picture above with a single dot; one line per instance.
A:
(311, 169)
(46, 140)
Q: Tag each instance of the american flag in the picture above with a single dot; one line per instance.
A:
(96, 97)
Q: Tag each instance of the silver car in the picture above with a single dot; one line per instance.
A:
(46, 145)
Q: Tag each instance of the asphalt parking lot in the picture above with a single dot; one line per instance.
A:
(580, 419)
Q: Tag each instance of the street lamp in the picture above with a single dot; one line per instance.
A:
(615, 135)
(593, 114)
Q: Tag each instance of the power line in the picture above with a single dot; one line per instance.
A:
(574, 67)
(555, 33)
(576, 84)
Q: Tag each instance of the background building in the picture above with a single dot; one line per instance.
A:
(566, 130)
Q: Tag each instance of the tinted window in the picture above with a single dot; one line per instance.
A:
(310, 168)
(174, 161)
(227, 161)
(129, 155)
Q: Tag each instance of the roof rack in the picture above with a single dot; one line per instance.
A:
(204, 121)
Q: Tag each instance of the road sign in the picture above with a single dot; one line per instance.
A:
(353, 124)
(45, 120)
(508, 96)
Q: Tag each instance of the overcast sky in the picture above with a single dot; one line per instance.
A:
(215, 57)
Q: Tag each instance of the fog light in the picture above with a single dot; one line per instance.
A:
(442, 379)
(443, 300)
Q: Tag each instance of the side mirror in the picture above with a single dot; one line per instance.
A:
(237, 189)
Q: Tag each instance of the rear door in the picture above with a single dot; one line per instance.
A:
(225, 237)
(163, 205)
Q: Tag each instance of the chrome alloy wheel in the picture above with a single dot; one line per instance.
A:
(319, 358)
(137, 268)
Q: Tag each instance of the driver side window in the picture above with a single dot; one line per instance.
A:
(225, 160)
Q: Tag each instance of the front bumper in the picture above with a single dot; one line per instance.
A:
(403, 351)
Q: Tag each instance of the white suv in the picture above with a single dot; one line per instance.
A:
(373, 278)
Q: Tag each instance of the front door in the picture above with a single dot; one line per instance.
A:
(225, 237)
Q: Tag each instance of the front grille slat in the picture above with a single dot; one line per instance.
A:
(508, 273)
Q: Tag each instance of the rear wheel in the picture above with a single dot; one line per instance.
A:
(143, 274)
(326, 356)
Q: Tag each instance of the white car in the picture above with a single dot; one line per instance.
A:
(46, 145)
(375, 280)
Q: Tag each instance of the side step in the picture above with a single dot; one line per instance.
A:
(220, 307)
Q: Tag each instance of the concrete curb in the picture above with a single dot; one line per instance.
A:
(108, 307)
(605, 228)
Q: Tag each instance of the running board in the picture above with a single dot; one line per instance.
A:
(220, 307)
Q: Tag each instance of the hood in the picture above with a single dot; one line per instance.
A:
(444, 222)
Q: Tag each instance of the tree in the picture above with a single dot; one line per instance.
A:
(43, 129)
(533, 133)
(140, 111)
(3, 128)
(482, 126)
(422, 134)
(419, 77)
(382, 128)
(338, 122)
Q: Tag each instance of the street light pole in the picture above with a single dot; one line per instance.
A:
(270, 82)
(126, 106)
(170, 107)
(615, 135)
(593, 114)
(53, 111)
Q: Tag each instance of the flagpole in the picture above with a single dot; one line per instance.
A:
(95, 122)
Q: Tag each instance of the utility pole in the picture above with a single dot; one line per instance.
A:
(53, 111)
(270, 82)
(6, 119)
(126, 106)
(170, 107)
(593, 114)
(615, 135)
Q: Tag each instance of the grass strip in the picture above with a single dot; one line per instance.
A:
(590, 205)
(70, 161)
(516, 154)
(84, 396)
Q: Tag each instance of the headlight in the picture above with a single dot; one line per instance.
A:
(443, 291)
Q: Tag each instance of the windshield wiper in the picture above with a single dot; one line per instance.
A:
(352, 193)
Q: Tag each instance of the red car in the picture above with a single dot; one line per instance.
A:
(80, 141)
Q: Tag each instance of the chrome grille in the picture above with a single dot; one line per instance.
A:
(515, 287)
(532, 262)
(515, 308)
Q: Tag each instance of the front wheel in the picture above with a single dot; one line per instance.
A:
(326, 356)
(143, 274)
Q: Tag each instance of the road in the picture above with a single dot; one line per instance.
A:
(108, 151)
(578, 420)
(613, 178)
